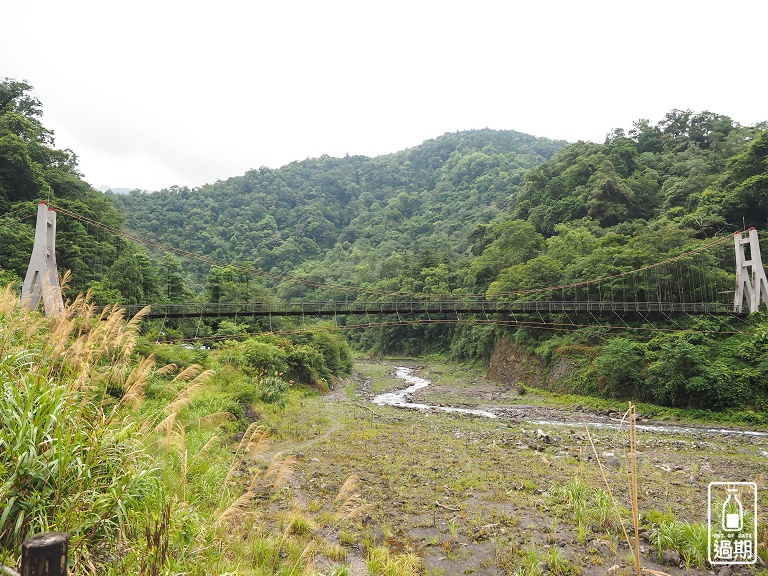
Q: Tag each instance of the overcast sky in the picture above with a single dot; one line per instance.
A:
(155, 93)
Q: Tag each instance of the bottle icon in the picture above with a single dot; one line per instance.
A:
(733, 512)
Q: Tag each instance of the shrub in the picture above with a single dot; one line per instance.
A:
(255, 357)
(273, 389)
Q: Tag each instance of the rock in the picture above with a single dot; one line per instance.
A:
(670, 558)
(725, 571)
(615, 569)
(378, 536)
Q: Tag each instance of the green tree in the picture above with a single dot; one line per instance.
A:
(620, 367)
(610, 200)
(172, 280)
(515, 241)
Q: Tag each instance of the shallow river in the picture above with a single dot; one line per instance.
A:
(400, 399)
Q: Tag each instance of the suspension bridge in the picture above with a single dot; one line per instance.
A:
(676, 285)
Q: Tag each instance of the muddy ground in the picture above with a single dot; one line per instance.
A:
(474, 495)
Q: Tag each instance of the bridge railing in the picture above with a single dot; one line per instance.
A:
(423, 306)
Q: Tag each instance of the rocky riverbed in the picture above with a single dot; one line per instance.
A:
(470, 494)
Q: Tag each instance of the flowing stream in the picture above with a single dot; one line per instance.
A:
(400, 399)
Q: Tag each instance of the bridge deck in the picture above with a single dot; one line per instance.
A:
(437, 306)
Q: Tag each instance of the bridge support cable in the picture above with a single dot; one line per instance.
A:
(199, 322)
(596, 320)
(673, 322)
(162, 326)
(621, 318)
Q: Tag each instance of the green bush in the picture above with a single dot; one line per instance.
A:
(255, 357)
(306, 364)
(273, 390)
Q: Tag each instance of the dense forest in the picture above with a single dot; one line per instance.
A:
(477, 212)
(348, 220)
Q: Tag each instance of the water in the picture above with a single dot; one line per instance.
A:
(651, 427)
(399, 399)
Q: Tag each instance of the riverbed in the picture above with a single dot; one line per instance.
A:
(531, 414)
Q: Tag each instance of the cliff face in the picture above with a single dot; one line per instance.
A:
(566, 370)
(510, 363)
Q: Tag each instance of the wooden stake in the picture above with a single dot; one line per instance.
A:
(45, 555)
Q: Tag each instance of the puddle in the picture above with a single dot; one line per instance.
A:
(399, 399)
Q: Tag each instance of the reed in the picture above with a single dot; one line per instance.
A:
(70, 463)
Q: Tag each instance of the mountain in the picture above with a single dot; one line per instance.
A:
(426, 199)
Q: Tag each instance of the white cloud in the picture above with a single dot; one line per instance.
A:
(151, 94)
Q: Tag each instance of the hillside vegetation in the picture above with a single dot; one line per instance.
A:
(347, 220)
(477, 212)
(496, 212)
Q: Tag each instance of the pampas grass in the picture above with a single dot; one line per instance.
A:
(72, 463)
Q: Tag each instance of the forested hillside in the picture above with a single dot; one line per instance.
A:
(33, 169)
(496, 212)
(478, 212)
(347, 220)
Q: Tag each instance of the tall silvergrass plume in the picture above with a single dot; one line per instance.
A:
(70, 465)
(279, 470)
(252, 444)
(194, 378)
(244, 507)
(195, 382)
(215, 419)
(349, 503)
(610, 492)
(630, 416)
(167, 369)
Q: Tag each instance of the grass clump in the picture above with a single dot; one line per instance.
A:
(689, 539)
(137, 463)
(381, 562)
(69, 461)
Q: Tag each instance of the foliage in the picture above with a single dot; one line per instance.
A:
(485, 213)
(69, 461)
(273, 389)
(31, 170)
(381, 562)
(134, 462)
(352, 220)
(313, 358)
(686, 538)
(619, 368)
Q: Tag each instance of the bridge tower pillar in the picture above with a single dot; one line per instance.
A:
(42, 279)
(750, 275)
